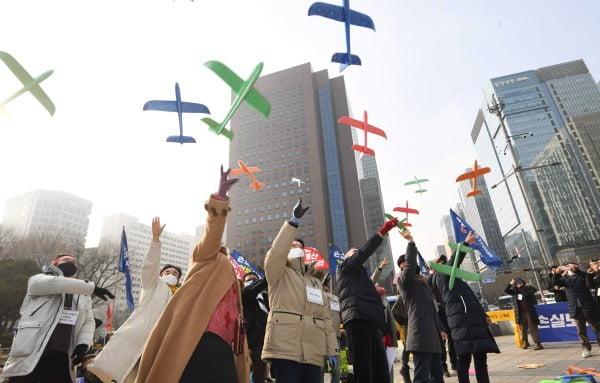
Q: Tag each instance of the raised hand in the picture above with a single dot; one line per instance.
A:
(384, 263)
(387, 226)
(225, 183)
(407, 235)
(297, 212)
(470, 238)
(157, 229)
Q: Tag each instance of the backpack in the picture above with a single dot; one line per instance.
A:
(399, 311)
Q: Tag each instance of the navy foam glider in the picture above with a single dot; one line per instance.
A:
(348, 17)
(30, 84)
(180, 107)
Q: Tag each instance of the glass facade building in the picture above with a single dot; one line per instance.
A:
(300, 139)
(545, 189)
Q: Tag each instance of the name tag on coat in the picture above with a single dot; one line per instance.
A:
(69, 317)
(314, 295)
(334, 302)
(520, 297)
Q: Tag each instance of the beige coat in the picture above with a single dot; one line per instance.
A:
(118, 358)
(297, 329)
(184, 320)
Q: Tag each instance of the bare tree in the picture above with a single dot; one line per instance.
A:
(41, 248)
(8, 237)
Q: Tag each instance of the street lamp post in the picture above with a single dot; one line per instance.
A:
(496, 108)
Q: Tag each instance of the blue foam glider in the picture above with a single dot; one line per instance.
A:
(179, 107)
(30, 84)
(348, 17)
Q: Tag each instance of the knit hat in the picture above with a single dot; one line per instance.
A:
(60, 258)
(299, 240)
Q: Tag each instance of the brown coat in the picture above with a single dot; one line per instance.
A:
(297, 330)
(186, 316)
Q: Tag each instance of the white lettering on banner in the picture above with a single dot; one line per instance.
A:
(556, 321)
(69, 317)
(314, 295)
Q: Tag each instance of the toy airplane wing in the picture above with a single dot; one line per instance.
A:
(401, 222)
(406, 210)
(416, 182)
(254, 98)
(460, 247)
(473, 174)
(338, 13)
(160, 105)
(29, 82)
(245, 170)
(361, 125)
(191, 107)
(458, 273)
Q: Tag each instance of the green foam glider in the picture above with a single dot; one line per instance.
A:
(454, 271)
(30, 84)
(400, 222)
(245, 93)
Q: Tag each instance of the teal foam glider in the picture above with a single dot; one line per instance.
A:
(454, 271)
(244, 91)
(30, 84)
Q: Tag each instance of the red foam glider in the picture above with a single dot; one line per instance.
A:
(364, 125)
(408, 211)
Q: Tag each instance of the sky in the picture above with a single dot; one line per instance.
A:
(423, 72)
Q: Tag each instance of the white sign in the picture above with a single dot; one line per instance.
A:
(69, 317)
(334, 302)
(314, 295)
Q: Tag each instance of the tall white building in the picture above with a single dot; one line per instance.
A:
(176, 248)
(48, 212)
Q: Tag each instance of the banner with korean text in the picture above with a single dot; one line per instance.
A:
(556, 325)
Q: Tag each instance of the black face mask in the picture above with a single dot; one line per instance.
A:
(68, 268)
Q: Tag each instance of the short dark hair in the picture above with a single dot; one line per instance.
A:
(169, 266)
(250, 273)
(401, 259)
(300, 240)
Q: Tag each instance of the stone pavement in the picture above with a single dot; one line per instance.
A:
(503, 367)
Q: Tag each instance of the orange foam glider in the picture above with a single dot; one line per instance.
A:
(249, 171)
(472, 175)
(364, 125)
(408, 211)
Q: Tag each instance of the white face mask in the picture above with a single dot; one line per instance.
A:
(296, 253)
(170, 279)
(248, 283)
(570, 273)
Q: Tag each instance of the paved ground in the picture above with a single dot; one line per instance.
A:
(555, 357)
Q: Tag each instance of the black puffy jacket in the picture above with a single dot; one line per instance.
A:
(466, 318)
(256, 318)
(577, 289)
(358, 297)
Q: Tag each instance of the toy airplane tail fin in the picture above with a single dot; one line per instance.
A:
(421, 191)
(181, 139)
(473, 193)
(217, 128)
(257, 185)
(363, 149)
(345, 59)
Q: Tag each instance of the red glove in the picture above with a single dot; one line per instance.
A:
(388, 225)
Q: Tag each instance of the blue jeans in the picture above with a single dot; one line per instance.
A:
(428, 367)
(288, 371)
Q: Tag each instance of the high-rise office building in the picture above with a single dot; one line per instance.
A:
(479, 213)
(48, 212)
(373, 211)
(300, 139)
(175, 248)
(544, 156)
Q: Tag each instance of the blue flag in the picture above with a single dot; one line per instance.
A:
(336, 257)
(124, 268)
(422, 265)
(245, 264)
(461, 229)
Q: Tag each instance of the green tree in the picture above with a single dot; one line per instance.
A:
(13, 287)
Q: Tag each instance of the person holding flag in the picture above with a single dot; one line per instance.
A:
(362, 313)
(124, 268)
(119, 359)
(56, 327)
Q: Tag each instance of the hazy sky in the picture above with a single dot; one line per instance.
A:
(421, 81)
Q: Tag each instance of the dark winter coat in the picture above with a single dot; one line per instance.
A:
(423, 331)
(559, 295)
(358, 297)
(593, 282)
(577, 290)
(256, 318)
(466, 318)
(528, 296)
